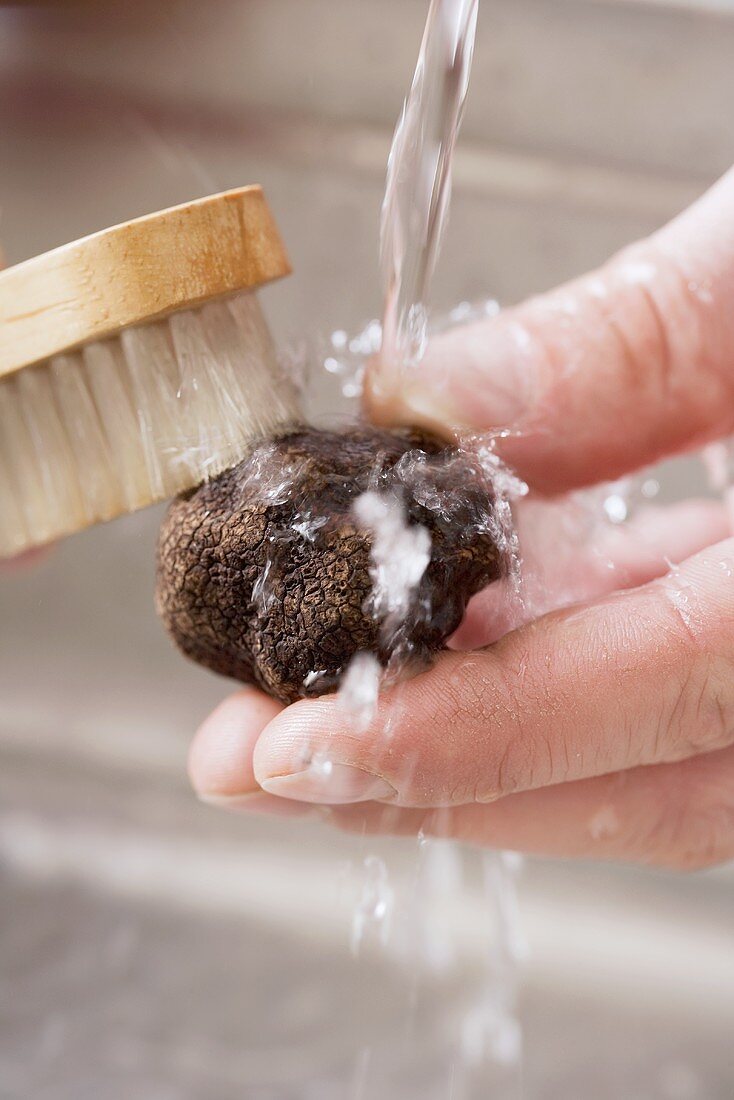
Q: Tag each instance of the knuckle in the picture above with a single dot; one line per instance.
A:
(656, 351)
(662, 323)
(518, 753)
(478, 738)
(468, 746)
(699, 711)
(636, 323)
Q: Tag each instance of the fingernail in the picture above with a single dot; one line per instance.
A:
(336, 784)
(260, 803)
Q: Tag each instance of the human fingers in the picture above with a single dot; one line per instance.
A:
(672, 815)
(220, 757)
(571, 557)
(599, 377)
(641, 677)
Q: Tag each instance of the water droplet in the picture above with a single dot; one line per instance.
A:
(683, 598)
(374, 909)
(321, 765)
(307, 525)
(604, 823)
(459, 314)
(638, 272)
(314, 677)
(615, 508)
(701, 289)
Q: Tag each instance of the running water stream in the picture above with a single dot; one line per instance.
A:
(418, 189)
(414, 219)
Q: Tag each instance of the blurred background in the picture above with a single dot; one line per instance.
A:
(150, 947)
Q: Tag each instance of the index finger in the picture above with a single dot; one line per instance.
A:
(609, 373)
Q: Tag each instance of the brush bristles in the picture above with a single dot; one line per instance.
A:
(117, 425)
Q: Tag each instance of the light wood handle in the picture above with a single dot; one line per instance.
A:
(136, 272)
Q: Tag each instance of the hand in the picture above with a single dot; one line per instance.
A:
(605, 729)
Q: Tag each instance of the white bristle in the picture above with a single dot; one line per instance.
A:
(122, 423)
(104, 367)
(57, 480)
(89, 442)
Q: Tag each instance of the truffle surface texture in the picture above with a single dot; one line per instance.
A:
(265, 575)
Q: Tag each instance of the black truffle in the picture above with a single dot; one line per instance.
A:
(265, 575)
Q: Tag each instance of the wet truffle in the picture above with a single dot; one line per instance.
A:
(264, 574)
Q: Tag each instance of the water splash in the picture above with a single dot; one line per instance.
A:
(400, 554)
(491, 1030)
(360, 688)
(262, 595)
(344, 356)
(275, 476)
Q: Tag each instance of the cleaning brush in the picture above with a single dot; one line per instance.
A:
(136, 364)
